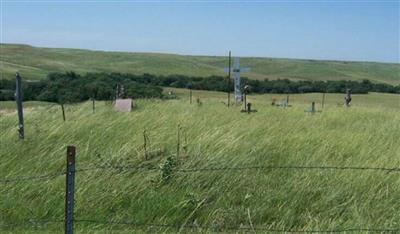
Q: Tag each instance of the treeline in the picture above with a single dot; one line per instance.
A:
(72, 87)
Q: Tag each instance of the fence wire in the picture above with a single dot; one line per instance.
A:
(139, 226)
(241, 227)
(125, 168)
(34, 222)
(32, 178)
(240, 168)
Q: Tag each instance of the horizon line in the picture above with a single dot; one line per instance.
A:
(199, 55)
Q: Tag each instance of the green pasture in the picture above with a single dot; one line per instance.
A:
(211, 136)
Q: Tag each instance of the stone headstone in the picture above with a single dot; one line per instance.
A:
(124, 105)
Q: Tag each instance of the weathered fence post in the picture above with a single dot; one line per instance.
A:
(69, 190)
(313, 107)
(178, 144)
(323, 100)
(287, 100)
(18, 98)
(63, 112)
(145, 144)
(229, 80)
(190, 86)
(93, 104)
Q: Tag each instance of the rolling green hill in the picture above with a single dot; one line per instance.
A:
(34, 63)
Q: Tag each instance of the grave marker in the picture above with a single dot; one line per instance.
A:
(246, 90)
(273, 103)
(124, 105)
(237, 87)
(347, 98)
(312, 109)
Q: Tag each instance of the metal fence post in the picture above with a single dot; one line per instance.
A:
(69, 190)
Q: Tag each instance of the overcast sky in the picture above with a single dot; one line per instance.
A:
(344, 30)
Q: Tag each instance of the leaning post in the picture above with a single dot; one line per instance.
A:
(18, 99)
(70, 190)
(63, 111)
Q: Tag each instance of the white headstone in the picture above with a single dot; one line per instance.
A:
(123, 105)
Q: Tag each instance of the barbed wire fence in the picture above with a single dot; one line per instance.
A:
(135, 225)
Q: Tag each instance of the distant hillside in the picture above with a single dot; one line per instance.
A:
(35, 63)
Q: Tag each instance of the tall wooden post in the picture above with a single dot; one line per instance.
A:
(18, 99)
(93, 104)
(190, 91)
(178, 144)
(287, 100)
(70, 190)
(323, 100)
(313, 107)
(229, 80)
(63, 111)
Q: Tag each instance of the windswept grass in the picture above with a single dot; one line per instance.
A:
(212, 136)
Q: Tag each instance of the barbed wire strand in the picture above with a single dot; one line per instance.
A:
(31, 178)
(188, 170)
(32, 222)
(237, 228)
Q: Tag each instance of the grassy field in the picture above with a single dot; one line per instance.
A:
(35, 63)
(212, 136)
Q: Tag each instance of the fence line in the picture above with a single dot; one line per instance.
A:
(134, 225)
(32, 221)
(188, 170)
(240, 168)
(237, 227)
(70, 188)
(32, 178)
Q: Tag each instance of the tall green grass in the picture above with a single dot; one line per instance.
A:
(212, 135)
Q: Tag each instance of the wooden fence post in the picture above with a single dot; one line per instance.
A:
(229, 80)
(313, 107)
(18, 98)
(63, 112)
(178, 144)
(145, 144)
(70, 190)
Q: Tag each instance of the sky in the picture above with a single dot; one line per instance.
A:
(353, 30)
